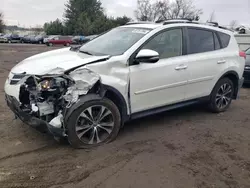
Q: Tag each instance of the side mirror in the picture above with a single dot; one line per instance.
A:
(147, 56)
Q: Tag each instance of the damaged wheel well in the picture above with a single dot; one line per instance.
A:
(116, 97)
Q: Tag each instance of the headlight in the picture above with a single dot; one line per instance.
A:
(45, 84)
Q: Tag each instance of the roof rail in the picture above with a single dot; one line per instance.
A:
(140, 22)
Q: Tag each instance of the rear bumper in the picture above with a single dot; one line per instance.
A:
(32, 121)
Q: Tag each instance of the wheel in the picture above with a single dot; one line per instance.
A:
(94, 123)
(222, 95)
(67, 44)
(40, 42)
(9, 41)
(50, 44)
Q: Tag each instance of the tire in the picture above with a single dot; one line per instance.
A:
(50, 44)
(9, 41)
(67, 44)
(40, 42)
(217, 96)
(73, 120)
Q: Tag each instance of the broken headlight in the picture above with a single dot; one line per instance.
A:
(51, 84)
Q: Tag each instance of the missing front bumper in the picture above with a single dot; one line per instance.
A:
(34, 122)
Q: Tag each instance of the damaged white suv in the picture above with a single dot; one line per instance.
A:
(86, 94)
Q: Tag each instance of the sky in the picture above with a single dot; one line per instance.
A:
(30, 13)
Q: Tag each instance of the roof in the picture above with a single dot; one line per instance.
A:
(146, 25)
(178, 22)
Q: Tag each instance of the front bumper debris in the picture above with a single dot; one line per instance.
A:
(32, 121)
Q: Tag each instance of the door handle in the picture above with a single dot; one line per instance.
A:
(221, 62)
(181, 67)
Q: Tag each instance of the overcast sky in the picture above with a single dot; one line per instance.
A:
(33, 12)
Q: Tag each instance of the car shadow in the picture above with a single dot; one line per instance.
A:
(168, 118)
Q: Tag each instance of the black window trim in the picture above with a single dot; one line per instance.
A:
(184, 43)
(221, 45)
(216, 35)
(203, 29)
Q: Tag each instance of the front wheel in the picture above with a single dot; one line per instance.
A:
(94, 123)
(222, 95)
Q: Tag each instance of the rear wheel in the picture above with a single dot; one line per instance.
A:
(222, 95)
(94, 123)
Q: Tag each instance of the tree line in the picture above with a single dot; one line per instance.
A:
(87, 17)
(83, 17)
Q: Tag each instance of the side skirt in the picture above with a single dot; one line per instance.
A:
(168, 108)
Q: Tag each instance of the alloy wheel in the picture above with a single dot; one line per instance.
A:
(94, 125)
(223, 96)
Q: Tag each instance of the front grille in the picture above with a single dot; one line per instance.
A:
(16, 78)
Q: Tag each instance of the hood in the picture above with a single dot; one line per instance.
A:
(62, 59)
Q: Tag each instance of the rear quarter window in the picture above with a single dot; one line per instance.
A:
(224, 38)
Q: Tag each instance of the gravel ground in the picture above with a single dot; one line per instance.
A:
(186, 148)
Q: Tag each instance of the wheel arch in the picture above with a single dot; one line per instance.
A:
(117, 98)
(234, 77)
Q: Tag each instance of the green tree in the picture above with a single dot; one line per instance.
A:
(1, 23)
(122, 20)
(54, 27)
(78, 11)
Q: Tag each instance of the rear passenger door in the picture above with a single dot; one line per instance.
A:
(205, 61)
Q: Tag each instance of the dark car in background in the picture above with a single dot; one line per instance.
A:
(59, 40)
(27, 38)
(78, 39)
(12, 38)
(38, 39)
(246, 74)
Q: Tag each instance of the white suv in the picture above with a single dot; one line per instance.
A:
(86, 94)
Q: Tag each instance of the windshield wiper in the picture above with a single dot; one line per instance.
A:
(86, 52)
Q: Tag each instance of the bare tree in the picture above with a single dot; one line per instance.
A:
(1, 23)
(212, 17)
(233, 24)
(164, 9)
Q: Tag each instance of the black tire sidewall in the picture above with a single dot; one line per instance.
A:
(213, 106)
(71, 122)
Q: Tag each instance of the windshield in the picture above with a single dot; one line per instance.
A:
(115, 42)
(248, 51)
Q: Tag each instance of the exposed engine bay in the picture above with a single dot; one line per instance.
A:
(49, 96)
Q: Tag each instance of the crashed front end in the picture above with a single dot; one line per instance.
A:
(44, 101)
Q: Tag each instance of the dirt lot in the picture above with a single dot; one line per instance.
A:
(186, 148)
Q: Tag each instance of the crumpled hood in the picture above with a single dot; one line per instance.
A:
(45, 62)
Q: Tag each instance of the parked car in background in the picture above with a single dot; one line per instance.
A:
(12, 38)
(78, 40)
(246, 74)
(46, 39)
(59, 40)
(3, 39)
(38, 39)
(27, 38)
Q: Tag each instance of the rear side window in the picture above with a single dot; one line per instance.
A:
(224, 38)
(200, 41)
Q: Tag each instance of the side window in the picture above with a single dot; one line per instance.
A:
(224, 38)
(200, 41)
(167, 44)
(216, 42)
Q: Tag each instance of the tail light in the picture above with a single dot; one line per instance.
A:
(242, 54)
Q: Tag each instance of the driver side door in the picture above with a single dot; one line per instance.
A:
(162, 83)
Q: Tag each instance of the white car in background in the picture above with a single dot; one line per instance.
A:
(86, 95)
